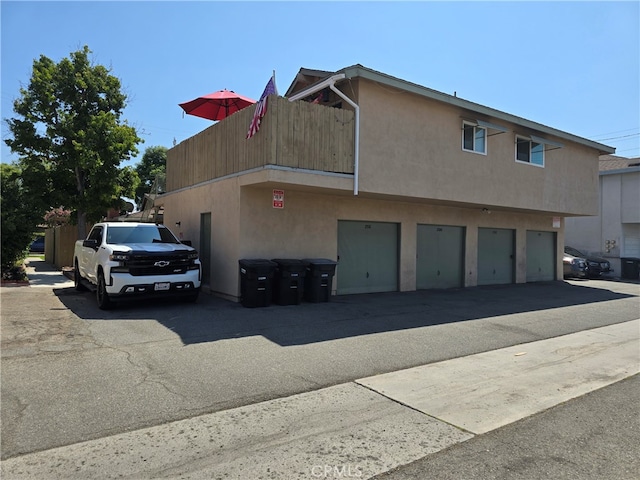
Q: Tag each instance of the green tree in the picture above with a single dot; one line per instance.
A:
(154, 162)
(128, 181)
(71, 138)
(19, 219)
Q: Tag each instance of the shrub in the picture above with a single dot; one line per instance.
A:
(19, 220)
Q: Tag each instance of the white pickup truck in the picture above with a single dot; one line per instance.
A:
(121, 260)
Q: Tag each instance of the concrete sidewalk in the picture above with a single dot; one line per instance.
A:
(493, 389)
(43, 274)
(358, 429)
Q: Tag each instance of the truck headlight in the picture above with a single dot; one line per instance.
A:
(119, 257)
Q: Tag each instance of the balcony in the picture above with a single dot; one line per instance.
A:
(292, 135)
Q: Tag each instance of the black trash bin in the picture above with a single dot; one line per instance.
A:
(630, 268)
(289, 281)
(256, 282)
(318, 280)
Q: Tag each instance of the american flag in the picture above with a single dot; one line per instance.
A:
(261, 107)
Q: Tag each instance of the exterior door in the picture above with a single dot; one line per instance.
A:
(205, 246)
(439, 256)
(496, 256)
(630, 240)
(541, 256)
(367, 257)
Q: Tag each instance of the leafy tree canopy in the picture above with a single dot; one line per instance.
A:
(71, 138)
(153, 163)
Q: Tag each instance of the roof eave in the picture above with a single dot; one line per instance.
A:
(620, 171)
(356, 71)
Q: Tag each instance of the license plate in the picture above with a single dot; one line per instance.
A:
(162, 286)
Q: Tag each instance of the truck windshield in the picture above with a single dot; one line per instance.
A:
(140, 234)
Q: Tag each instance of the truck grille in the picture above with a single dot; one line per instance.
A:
(161, 264)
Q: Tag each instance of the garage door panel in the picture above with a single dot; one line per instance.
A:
(368, 257)
(495, 256)
(541, 256)
(439, 257)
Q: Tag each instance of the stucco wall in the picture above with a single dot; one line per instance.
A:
(412, 146)
(616, 219)
(608, 224)
(630, 197)
(222, 200)
(245, 225)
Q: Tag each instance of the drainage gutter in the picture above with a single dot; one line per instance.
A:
(330, 82)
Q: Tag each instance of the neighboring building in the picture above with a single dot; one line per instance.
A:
(615, 231)
(406, 187)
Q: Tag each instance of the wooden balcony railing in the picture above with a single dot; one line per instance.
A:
(292, 134)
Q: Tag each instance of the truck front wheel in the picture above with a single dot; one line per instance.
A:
(101, 293)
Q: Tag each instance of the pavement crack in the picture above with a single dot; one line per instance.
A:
(147, 372)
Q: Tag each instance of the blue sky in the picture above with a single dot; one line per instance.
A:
(574, 66)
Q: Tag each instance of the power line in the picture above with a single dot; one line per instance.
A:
(612, 133)
(637, 149)
(623, 136)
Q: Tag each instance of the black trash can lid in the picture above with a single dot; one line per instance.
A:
(256, 262)
(290, 262)
(319, 261)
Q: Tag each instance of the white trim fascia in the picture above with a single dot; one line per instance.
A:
(620, 171)
(255, 170)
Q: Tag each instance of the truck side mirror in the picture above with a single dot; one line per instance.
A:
(91, 244)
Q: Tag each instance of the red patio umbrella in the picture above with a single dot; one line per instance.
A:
(217, 105)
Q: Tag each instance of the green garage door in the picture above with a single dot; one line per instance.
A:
(367, 257)
(541, 256)
(440, 257)
(495, 256)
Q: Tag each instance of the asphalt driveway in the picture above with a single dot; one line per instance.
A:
(71, 372)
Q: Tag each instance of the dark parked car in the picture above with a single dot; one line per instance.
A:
(37, 246)
(577, 264)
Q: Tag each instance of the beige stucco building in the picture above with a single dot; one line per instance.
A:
(405, 187)
(614, 232)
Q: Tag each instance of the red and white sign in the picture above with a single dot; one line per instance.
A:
(278, 199)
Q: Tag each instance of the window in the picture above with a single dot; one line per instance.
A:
(140, 234)
(474, 138)
(529, 151)
(96, 234)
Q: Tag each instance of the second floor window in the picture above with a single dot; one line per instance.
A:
(529, 151)
(474, 138)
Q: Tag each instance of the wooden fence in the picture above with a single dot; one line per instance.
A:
(292, 134)
(59, 243)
